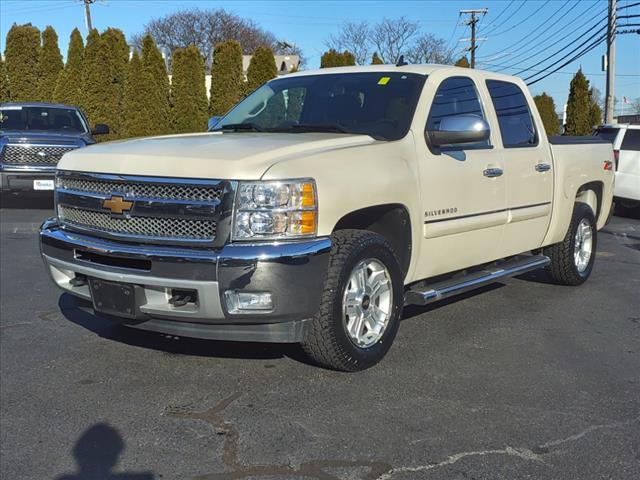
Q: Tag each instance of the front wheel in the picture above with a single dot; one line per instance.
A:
(361, 304)
(572, 259)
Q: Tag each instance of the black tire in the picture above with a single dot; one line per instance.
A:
(563, 269)
(627, 208)
(328, 343)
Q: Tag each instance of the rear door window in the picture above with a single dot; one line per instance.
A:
(631, 140)
(514, 116)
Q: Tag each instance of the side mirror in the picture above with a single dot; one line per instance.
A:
(100, 129)
(459, 129)
(213, 121)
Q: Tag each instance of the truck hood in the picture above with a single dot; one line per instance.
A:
(45, 138)
(214, 155)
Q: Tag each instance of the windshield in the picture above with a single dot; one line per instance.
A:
(47, 119)
(380, 104)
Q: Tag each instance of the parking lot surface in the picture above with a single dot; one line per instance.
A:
(523, 379)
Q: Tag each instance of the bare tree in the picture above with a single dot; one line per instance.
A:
(204, 29)
(428, 48)
(635, 105)
(389, 39)
(393, 37)
(354, 37)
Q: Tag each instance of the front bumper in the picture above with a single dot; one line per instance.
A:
(293, 272)
(21, 180)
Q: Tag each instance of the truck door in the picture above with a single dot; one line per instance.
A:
(528, 168)
(462, 186)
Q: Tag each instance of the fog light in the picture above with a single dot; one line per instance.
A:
(248, 302)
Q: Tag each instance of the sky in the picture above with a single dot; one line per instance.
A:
(521, 32)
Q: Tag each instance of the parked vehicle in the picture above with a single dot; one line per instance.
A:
(324, 202)
(33, 138)
(626, 148)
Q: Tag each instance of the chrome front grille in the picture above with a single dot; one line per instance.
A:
(34, 154)
(145, 209)
(170, 228)
(144, 190)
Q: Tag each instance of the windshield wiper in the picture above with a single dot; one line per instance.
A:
(316, 127)
(237, 127)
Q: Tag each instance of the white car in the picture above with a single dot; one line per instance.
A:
(626, 148)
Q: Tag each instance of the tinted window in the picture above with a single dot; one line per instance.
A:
(608, 134)
(41, 118)
(455, 96)
(380, 104)
(631, 140)
(516, 124)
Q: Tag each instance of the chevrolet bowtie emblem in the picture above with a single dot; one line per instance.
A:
(117, 205)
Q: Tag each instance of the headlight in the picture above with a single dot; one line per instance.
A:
(271, 210)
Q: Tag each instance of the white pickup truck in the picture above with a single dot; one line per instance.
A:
(324, 202)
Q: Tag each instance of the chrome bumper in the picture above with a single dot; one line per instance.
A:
(293, 272)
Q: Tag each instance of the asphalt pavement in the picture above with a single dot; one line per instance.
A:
(523, 379)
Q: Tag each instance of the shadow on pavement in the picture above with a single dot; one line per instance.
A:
(79, 312)
(97, 452)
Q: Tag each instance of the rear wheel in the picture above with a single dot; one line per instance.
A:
(361, 303)
(572, 259)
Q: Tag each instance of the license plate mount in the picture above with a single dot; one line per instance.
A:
(43, 184)
(114, 298)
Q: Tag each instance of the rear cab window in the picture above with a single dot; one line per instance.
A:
(607, 133)
(517, 127)
(631, 140)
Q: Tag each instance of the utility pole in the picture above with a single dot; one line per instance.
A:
(611, 63)
(472, 22)
(87, 13)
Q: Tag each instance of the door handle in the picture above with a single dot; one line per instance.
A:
(542, 167)
(492, 172)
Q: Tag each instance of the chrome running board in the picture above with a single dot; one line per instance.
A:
(427, 293)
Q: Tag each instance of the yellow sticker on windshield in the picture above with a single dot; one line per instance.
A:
(384, 80)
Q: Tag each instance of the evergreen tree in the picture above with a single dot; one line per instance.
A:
(49, 66)
(333, 58)
(227, 79)
(22, 52)
(188, 92)
(462, 62)
(155, 66)
(69, 84)
(140, 101)
(4, 83)
(117, 52)
(376, 60)
(101, 92)
(262, 68)
(595, 112)
(578, 111)
(547, 110)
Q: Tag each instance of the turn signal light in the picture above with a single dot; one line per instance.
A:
(608, 165)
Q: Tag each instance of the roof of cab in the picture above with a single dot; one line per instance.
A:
(421, 69)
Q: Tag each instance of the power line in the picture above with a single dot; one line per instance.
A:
(539, 47)
(560, 50)
(517, 24)
(535, 29)
(586, 49)
(522, 4)
(555, 63)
